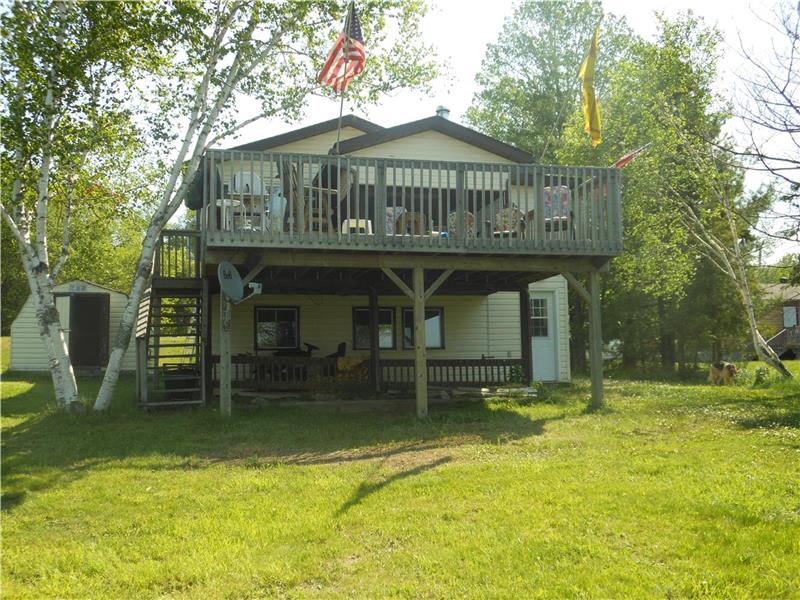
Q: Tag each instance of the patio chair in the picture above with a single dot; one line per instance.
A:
(294, 194)
(509, 222)
(557, 215)
(452, 224)
(413, 223)
(327, 195)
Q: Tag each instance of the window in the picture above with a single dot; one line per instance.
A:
(789, 316)
(361, 337)
(539, 317)
(434, 328)
(276, 328)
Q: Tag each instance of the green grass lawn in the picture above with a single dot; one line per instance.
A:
(676, 490)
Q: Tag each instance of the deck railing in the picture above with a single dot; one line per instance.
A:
(310, 201)
(263, 373)
(478, 372)
(177, 255)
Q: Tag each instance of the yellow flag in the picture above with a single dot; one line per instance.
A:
(591, 110)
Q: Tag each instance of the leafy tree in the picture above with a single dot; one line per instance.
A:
(528, 80)
(63, 64)
(662, 88)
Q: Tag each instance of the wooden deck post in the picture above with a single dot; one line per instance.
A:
(525, 333)
(141, 369)
(595, 341)
(420, 354)
(374, 342)
(224, 355)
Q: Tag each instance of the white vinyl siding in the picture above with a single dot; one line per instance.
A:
(27, 350)
(431, 145)
(317, 144)
(474, 326)
(326, 321)
(503, 327)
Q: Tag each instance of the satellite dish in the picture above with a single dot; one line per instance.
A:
(230, 281)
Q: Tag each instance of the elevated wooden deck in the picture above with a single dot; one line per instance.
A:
(368, 205)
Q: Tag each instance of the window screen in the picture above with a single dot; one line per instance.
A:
(434, 328)
(361, 337)
(276, 328)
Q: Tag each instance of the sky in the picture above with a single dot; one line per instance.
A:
(461, 30)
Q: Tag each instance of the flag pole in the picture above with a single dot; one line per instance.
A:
(346, 54)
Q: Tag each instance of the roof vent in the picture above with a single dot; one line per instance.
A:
(443, 111)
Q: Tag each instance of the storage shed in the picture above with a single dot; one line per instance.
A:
(90, 316)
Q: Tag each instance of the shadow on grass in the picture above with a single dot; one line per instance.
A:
(49, 449)
(774, 420)
(370, 487)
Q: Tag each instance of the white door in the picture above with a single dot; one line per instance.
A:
(543, 336)
(62, 305)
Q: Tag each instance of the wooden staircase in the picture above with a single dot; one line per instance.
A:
(170, 327)
(785, 340)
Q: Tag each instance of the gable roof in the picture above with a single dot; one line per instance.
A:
(310, 131)
(782, 292)
(443, 126)
(92, 283)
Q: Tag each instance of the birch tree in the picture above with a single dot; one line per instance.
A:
(62, 63)
(726, 247)
(270, 52)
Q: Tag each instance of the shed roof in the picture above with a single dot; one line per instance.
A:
(782, 292)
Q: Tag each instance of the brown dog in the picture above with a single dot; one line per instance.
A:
(722, 371)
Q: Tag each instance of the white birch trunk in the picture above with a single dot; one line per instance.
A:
(202, 120)
(144, 270)
(48, 320)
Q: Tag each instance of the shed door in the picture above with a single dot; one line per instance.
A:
(88, 329)
(543, 336)
(62, 305)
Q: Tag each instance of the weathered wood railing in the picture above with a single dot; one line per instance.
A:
(302, 201)
(278, 372)
(479, 372)
(177, 255)
(261, 373)
(784, 339)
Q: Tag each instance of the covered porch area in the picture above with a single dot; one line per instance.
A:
(376, 322)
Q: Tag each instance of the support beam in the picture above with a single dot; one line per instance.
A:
(438, 282)
(525, 333)
(595, 341)
(576, 285)
(252, 273)
(141, 369)
(374, 260)
(420, 352)
(224, 356)
(398, 282)
(374, 339)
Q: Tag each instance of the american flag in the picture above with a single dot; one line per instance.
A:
(629, 157)
(346, 58)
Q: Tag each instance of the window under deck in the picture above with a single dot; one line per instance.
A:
(312, 202)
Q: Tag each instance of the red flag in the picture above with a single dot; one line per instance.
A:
(346, 58)
(629, 157)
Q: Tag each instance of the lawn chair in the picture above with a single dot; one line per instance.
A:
(413, 223)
